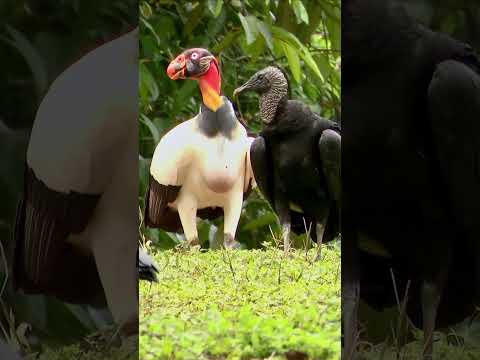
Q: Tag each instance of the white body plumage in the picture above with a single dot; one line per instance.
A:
(85, 139)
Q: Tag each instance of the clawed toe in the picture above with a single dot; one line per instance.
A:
(230, 243)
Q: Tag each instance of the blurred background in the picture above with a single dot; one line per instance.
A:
(461, 20)
(300, 36)
(38, 41)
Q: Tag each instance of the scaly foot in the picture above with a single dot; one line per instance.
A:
(229, 242)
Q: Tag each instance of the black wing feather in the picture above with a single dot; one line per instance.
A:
(262, 166)
(329, 147)
(157, 212)
(454, 106)
(45, 218)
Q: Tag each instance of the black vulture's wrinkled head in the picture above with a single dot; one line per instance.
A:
(270, 78)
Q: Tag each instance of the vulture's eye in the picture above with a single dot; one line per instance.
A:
(194, 56)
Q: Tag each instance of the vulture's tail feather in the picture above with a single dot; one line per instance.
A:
(147, 269)
(44, 262)
(157, 213)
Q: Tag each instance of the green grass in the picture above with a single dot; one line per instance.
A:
(442, 350)
(77, 352)
(459, 342)
(104, 344)
(242, 305)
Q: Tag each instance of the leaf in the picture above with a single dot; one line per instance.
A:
(286, 36)
(193, 19)
(300, 12)
(333, 23)
(310, 61)
(148, 85)
(292, 40)
(250, 27)
(165, 241)
(324, 65)
(145, 9)
(215, 7)
(21, 333)
(293, 61)
(334, 33)
(264, 220)
(267, 35)
(31, 56)
(152, 30)
(143, 174)
(151, 126)
(226, 41)
(256, 49)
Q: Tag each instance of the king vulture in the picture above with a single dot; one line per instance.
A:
(295, 159)
(76, 229)
(201, 166)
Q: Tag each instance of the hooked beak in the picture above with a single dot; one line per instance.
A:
(250, 85)
(176, 69)
(240, 89)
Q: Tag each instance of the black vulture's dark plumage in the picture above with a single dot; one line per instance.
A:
(295, 159)
(410, 158)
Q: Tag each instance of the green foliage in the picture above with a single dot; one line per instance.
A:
(242, 305)
(74, 352)
(443, 349)
(99, 345)
(301, 36)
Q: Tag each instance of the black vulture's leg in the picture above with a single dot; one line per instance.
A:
(432, 289)
(314, 236)
(319, 230)
(350, 294)
(430, 300)
(313, 233)
(285, 222)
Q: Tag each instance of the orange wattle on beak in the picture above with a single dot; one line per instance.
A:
(176, 69)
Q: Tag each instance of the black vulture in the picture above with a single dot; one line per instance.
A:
(200, 167)
(77, 222)
(295, 159)
(411, 185)
(147, 269)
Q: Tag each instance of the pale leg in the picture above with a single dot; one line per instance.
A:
(113, 235)
(187, 209)
(320, 230)
(232, 211)
(286, 236)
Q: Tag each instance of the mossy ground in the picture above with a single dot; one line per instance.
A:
(457, 348)
(242, 304)
(104, 344)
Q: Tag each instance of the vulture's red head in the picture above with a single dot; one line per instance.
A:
(199, 64)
